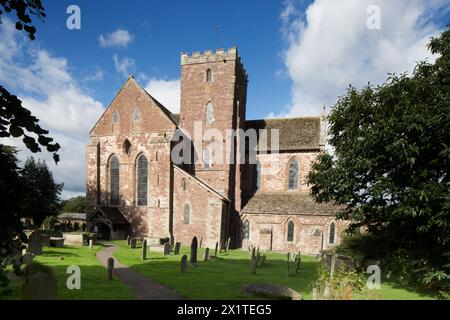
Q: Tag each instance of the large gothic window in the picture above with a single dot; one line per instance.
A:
(293, 175)
(142, 180)
(186, 214)
(209, 118)
(290, 231)
(246, 230)
(114, 181)
(332, 233)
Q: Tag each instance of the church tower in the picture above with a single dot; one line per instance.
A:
(213, 99)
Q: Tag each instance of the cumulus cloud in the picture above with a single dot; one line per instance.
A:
(329, 46)
(118, 38)
(124, 65)
(165, 91)
(47, 88)
(98, 75)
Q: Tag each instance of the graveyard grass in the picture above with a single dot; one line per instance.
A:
(224, 277)
(94, 282)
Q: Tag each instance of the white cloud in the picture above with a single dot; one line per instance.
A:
(329, 46)
(47, 88)
(165, 91)
(118, 38)
(124, 65)
(98, 75)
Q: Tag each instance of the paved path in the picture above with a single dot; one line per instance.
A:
(143, 288)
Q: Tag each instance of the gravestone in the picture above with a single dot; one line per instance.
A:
(183, 263)
(215, 250)
(110, 268)
(45, 240)
(253, 269)
(35, 243)
(133, 243)
(194, 246)
(128, 240)
(27, 258)
(167, 248)
(206, 256)
(39, 286)
(299, 260)
(144, 250)
(177, 248)
(57, 242)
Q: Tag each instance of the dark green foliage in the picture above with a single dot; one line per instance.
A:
(42, 193)
(75, 204)
(23, 10)
(392, 159)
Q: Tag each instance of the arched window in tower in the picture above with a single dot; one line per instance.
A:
(115, 117)
(293, 175)
(136, 115)
(186, 214)
(142, 180)
(114, 181)
(290, 231)
(246, 230)
(183, 184)
(208, 75)
(332, 233)
(209, 113)
(207, 162)
(127, 147)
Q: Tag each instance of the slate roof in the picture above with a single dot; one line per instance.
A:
(112, 213)
(72, 216)
(288, 203)
(294, 133)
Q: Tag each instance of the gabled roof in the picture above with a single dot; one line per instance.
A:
(202, 184)
(168, 114)
(113, 214)
(288, 203)
(294, 133)
(72, 216)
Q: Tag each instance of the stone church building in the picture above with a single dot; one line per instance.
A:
(134, 186)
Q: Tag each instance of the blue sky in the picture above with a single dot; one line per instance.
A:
(300, 56)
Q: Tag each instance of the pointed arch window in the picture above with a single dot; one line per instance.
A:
(115, 117)
(207, 162)
(136, 115)
(186, 214)
(246, 230)
(142, 180)
(293, 175)
(209, 117)
(208, 75)
(114, 181)
(332, 233)
(290, 231)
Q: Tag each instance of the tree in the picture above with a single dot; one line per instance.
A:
(75, 204)
(392, 159)
(42, 196)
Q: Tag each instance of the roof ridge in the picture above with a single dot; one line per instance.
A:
(286, 118)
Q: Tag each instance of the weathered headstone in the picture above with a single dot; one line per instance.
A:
(144, 250)
(91, 243)
(253, 269)
(40, 286)
(206, 256)
(299, 260)
(35, 243)
(110, 268)
(194, 246)
(183, 263)
(177, 248)
(167, 248)
(133, 243)
(215, 250)
(128, 240)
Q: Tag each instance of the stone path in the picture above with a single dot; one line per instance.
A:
(143, 288)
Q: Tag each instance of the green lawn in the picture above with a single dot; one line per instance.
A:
(94, 283)
(224, 277)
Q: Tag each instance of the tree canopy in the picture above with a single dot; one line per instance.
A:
(391, 158)
(74, 205)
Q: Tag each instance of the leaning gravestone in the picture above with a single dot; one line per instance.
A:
(39, 286)
(177, 248)
(35, 243)
(133, 243)
(183, 263)
(167, 248)
(194, 247)
(206, 256)
(144, 250)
